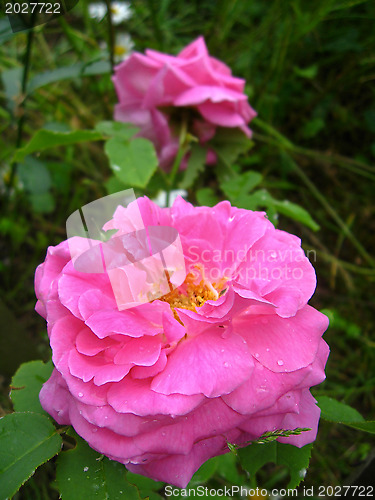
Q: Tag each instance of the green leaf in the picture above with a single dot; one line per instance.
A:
(43, 203)
(143, 482)
(207, 196)
(68, 72)
(12, 82)
(241, 185)
(255, 456)
(309, 72)
(27, 383)
(195, 165)
(27, 440)
(84, 474)
(366, 426)
(334, 411)
(34, 175)
(117, 129)
(204, 473)
(294, 211)
(229, 143)
(132, 162)
(45, 139)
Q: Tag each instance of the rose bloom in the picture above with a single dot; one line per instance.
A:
(228, 355)
(153, 88)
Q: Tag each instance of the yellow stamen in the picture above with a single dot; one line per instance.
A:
(191, 295)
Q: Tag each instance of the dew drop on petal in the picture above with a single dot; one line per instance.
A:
(80, 394)
(280, 362)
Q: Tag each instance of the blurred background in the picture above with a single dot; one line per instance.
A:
(310, 73)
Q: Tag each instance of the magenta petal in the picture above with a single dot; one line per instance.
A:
(128, 322)
(142, 351)
(307, 416)
(136, 396)
(284, 344)
(224, 363)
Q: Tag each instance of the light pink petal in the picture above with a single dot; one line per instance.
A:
(207, 364)
(215, 95)
(134, 75)
(169, 83)
(196, 48)
(227, 113)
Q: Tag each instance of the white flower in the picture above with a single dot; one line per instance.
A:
(97, 10)
(123, 47)
(120, 11)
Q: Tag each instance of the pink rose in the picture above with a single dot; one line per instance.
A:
(229, 354)
(147, 84)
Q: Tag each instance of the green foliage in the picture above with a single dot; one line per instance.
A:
(132, 162)
(194, 167)
(83, 473)
(319, 120)
(335, 411)
(255, 456)
(27, 440)
(116, 129)
(46, 139)
(26, 385)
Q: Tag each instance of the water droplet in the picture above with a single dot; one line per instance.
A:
(85, 469)
(226, 364)
(95, 429)
(222, 350)
(68, 478)
(280, 362)
(302, 473)
(163, 433)
(80, 394)
(268, 349)
(256, 354)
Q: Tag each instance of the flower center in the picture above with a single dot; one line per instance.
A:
(191, 294)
